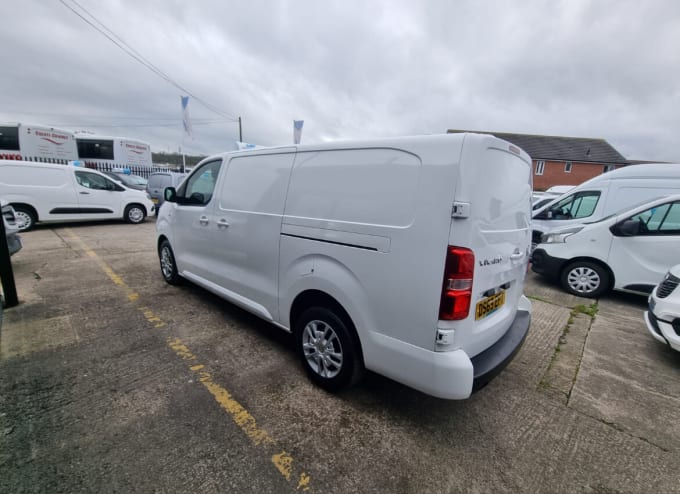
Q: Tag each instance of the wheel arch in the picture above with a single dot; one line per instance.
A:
(161, 238)
(318, 298)
(27, 206)
(133, 203)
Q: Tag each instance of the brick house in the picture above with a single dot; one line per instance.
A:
(563, 160)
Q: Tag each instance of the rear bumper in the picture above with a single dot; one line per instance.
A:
(450, 375)
(545, 264)
(494, 359)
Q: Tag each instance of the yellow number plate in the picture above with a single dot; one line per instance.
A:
(489, 305)
(154, 200)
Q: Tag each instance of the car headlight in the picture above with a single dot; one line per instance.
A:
(148, 196)
(559, 237)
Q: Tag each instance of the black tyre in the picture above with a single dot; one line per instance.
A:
(134, 213)
(25, 218)
(585, 279)
(168, 265)
(327, 349)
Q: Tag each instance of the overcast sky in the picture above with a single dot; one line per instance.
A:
(604, 69)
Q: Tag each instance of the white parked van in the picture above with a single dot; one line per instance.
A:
(628, 251)
(41, 192)
(606, 194)
(405, 256)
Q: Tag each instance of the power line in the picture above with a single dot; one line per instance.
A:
(125, 47)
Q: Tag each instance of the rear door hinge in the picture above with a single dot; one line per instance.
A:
(460, 210)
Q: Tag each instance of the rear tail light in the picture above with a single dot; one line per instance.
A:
(457, 287)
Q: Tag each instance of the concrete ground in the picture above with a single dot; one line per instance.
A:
(113, 381)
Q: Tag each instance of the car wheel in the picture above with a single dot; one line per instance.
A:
(585, 279)
(168, 265)
(327, 349)
(134, 213)
(25, 218)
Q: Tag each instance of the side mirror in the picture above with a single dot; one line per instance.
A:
(170, 194)
(627, 228)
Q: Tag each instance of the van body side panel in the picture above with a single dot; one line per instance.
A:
(382, 214)
(46, 188)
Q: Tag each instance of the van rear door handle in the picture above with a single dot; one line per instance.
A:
(222, 223)
(83, 192)
(203, 220)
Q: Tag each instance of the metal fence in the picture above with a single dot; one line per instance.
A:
(142, 171)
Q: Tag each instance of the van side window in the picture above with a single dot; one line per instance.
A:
(198, 189)
(94, 181)
(575, 206)
(660, 220)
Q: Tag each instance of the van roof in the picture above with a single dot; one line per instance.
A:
(397, 141)
(647, 170)
(37, 164)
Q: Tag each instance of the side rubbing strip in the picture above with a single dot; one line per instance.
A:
(336, 233)
(330, 242)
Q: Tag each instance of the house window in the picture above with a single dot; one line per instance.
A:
(608, 168)
(540, 166)
(567, 167)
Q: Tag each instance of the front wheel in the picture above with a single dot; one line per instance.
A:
(327, 349)
(134, 213)
(585, 279)
(168, 265)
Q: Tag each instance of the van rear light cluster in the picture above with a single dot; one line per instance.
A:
(457, 287)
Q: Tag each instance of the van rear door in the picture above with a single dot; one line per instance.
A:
(491, 217)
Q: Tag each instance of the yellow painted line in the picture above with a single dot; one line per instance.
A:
(283, 461)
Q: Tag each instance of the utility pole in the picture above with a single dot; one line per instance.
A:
(240, 133)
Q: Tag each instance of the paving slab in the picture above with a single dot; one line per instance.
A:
(628, 379)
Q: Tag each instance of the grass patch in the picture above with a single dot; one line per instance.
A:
(589, 310)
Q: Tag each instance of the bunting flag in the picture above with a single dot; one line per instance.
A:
(297, 130)
(185, 116)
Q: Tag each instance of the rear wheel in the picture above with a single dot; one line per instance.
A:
(168, 265)
(327, 349)
(24, 217)
(134, 213)
(585, 279)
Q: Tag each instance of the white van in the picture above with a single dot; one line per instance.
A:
(606, 194)
(50, 193)
(405, 256)
(628, 251)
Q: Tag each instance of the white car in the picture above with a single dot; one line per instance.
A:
(628, 251)
(663, 316)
